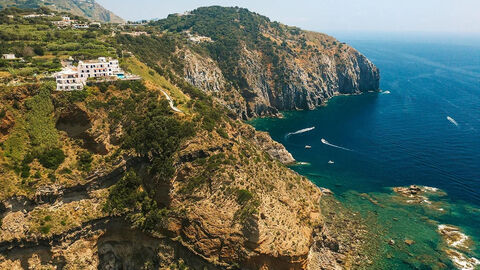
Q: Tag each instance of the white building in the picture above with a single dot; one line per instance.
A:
(102, 67)
(81, 26)
(66, 21)
(75, 78)
(9, 56)
(68, 80)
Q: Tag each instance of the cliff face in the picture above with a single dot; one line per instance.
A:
(310, 80)
(278, 68)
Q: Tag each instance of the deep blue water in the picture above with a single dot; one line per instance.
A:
(401, 138)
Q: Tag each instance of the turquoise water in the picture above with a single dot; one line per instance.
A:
(424, 131)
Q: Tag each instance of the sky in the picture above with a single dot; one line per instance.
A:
(440, 16)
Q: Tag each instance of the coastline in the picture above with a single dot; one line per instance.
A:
(381, 210)
(281, 115)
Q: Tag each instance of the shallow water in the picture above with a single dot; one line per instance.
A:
(425, 130)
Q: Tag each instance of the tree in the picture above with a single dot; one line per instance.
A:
(52, 158)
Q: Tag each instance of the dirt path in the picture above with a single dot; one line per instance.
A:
(170, 101)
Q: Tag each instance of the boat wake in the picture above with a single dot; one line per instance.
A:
(452, 121)
(333, 145)
(299, 131)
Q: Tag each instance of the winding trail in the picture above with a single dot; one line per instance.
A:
(170, 101)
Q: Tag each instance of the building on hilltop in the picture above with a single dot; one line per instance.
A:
(81, 26)
(9, 56)
(66, 21)
(68, 80)
(103, 69)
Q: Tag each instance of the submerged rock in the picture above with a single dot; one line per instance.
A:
(454, 237)
(420, 195)
(459, 244)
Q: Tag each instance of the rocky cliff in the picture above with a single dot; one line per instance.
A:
(259, 67)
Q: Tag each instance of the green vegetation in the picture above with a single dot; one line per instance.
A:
(45, 229)
(36, 133)
(155, 134)
(52, 158)
(222, 133)
(85, 161)
(39, 122)
(125, 195)
(40, 46)
(243, 196)
(155, 51)
(129, 198)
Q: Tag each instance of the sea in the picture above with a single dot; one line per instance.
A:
(422, 129)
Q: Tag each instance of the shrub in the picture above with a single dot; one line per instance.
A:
(124, 194)
(38, 50)
(85, 161)
(25, 171)
(76, 96)
(52, 158)
(243, 196)
(45, 229)
(65, 171)
(222, 133)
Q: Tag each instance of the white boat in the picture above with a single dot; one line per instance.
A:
(331, 162)
(308, 147)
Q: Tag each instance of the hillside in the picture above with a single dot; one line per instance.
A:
(85, 8)
(259, 67)
(111, 177)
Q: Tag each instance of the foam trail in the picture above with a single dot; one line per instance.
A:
(299, 131)
(333, 145)
(452, 120)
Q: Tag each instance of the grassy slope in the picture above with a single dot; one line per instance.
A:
(154, 81)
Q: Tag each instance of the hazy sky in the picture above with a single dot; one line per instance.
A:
(454, 16)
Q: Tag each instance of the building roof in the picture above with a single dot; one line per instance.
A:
(68, 71)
